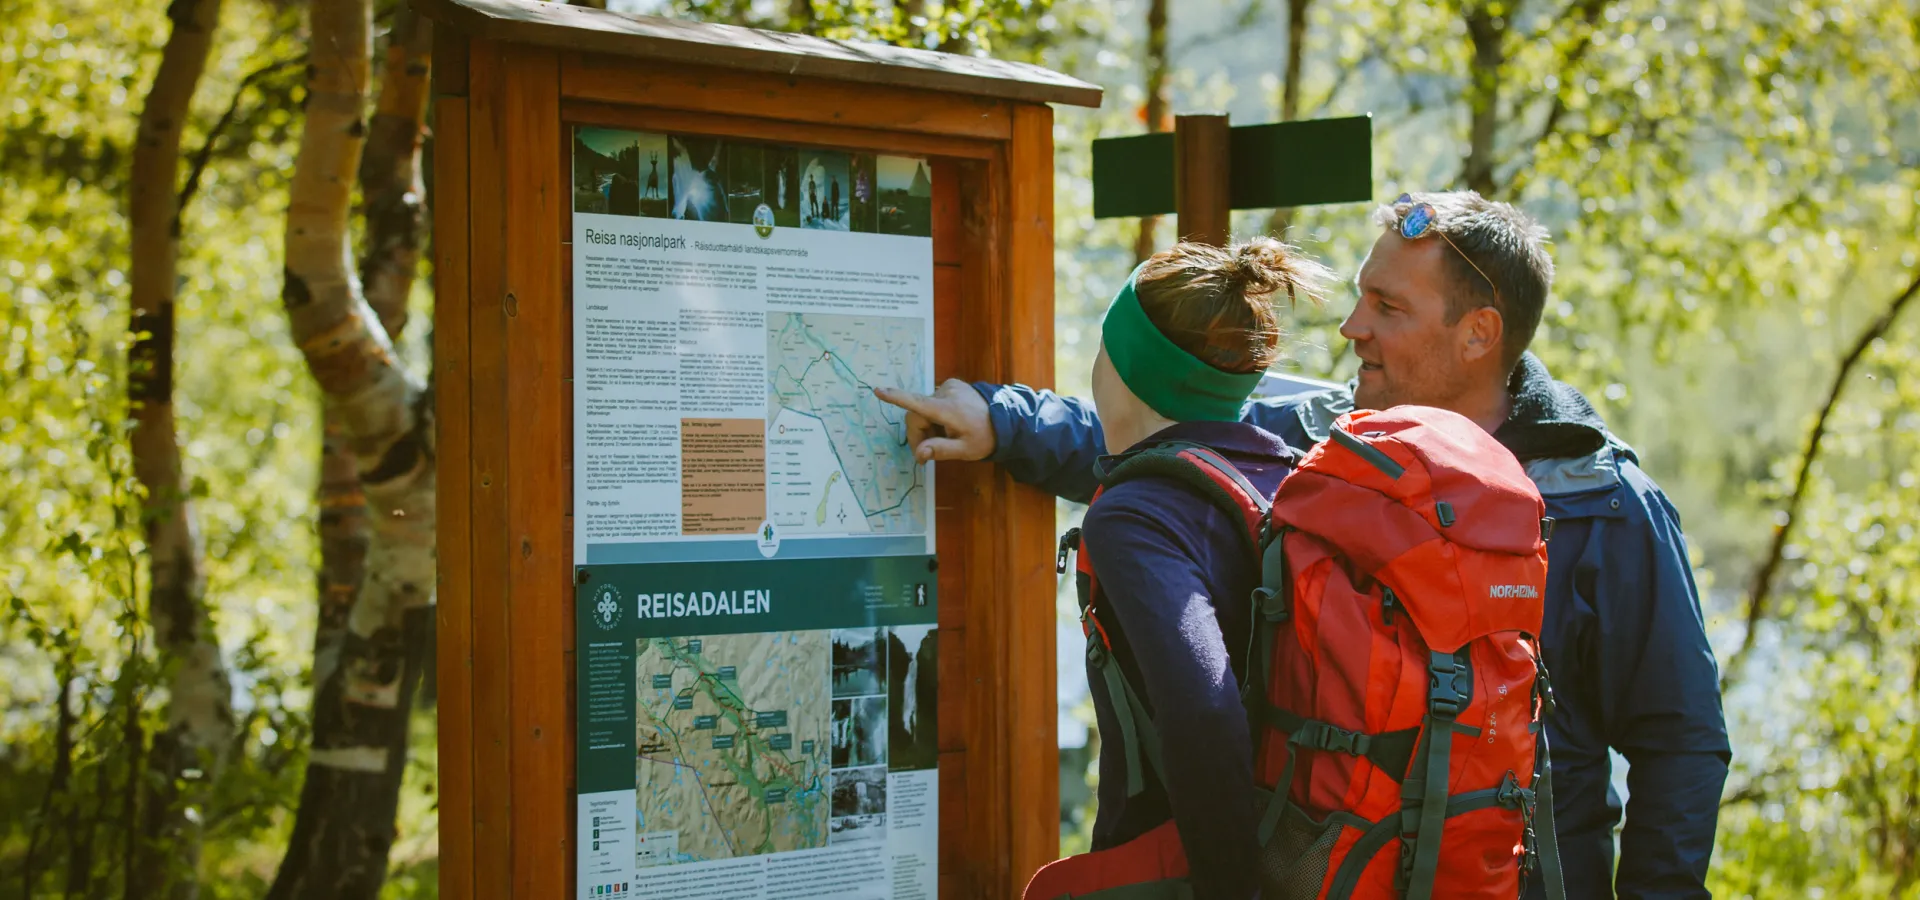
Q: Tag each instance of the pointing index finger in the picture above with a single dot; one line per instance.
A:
(911, 402)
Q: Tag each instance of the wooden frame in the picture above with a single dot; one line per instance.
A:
(505, 94)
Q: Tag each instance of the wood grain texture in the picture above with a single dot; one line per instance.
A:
(587, 112)
(948, 247)
(538, 579)
(450, 78)
(1032, 700)
(1202, 160)
(953, 821)
(570, 732)
(956, 511)
(981, 502)
(487, 373)
(453, 607)
(577, 29)
(782, 97)
(952, 705)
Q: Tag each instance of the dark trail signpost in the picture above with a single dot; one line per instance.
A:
(1204, 169)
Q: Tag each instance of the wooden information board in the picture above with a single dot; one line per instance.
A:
(790, 203)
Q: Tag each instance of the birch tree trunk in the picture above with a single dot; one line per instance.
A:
(366, 663)
(199, 713)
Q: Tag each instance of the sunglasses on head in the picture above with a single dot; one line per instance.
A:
(1418, 221)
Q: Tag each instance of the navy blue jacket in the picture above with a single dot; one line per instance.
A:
(1175, 580)
(1623, 633)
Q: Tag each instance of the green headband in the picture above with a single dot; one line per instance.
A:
(1174, 383)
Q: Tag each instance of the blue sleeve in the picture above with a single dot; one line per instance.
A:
(1045, 440)
(1051, 442)
(1661, 700)
(1152, 582)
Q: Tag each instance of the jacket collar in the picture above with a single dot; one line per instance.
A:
(1550, 428)
(1238, 438)
(1548, 419)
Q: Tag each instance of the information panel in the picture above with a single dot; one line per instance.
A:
(756, 586)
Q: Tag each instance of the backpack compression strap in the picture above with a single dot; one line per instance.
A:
(1423, 795)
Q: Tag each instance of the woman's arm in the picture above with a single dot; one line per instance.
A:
(1145, 557)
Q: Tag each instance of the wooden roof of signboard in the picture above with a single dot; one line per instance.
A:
(584, 29)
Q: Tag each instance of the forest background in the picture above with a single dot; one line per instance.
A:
(215, 551)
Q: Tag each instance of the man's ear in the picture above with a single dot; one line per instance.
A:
(1484, 331)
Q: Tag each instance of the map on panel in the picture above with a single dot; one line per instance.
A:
(837, 457)
(732, 746)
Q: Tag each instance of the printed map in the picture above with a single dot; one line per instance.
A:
(837, 459)
(732, 738)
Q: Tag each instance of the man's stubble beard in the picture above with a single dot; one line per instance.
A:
(1439, 388)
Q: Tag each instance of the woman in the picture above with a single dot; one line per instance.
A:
(1182, 347)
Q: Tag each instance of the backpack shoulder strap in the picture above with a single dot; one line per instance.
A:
(1210, 475)
(1216, 478)
(1200, 469)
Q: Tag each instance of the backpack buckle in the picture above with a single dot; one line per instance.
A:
(1068, 542)
(1543, 687)
(1511, 795)
(1272, 604)
(1444, 691)
(1322, 736)
(1097, 654)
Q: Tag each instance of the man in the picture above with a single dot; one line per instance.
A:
(1450, 296)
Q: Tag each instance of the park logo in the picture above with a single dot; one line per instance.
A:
(767, 539)
(606, 607)
(763, 221)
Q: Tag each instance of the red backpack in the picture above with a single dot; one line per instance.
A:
(1402, 567)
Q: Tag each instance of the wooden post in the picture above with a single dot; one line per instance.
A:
(1202, 166)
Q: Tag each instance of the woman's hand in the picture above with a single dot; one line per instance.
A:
(952, 423)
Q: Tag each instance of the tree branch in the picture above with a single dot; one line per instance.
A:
(1751, 792)
(1248, 17)
(1488, 33)
(1340, 80)
(57, 780)
(390, 186)
(1589, 12)
(1278, 221)
(1157, 115)
(1761, 592)
(204, 155)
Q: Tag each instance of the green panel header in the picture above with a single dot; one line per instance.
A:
(642, 600)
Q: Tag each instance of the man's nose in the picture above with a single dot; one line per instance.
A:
(1353, 329)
